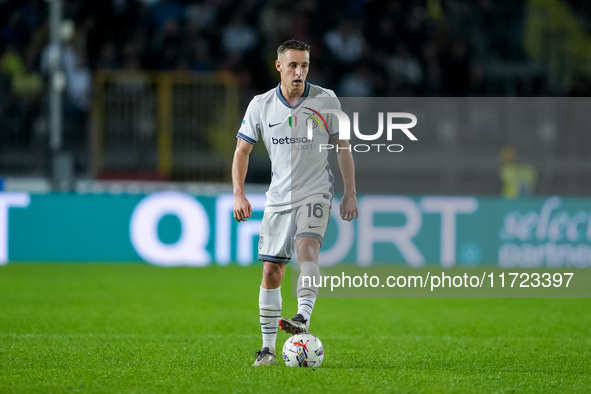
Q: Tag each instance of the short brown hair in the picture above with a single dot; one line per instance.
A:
(293, 44)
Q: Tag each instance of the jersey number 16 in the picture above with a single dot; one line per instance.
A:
(316, 210)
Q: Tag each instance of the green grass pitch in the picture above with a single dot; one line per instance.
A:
(135, 328)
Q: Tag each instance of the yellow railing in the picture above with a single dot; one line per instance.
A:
(165, 125)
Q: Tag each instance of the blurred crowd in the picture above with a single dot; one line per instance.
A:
(359, 47)
(582, 9)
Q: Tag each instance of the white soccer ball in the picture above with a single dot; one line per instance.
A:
(303, 350)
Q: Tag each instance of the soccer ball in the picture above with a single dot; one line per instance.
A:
(303, 350)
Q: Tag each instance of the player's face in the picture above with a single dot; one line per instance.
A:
(293, 67)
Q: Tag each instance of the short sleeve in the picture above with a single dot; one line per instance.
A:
(249, 129)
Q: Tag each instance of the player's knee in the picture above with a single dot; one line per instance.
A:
(308, 249)
(273, 273)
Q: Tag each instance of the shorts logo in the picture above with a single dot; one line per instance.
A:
(312, 227)
(260, 243)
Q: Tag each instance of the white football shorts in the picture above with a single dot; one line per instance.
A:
(279, 230)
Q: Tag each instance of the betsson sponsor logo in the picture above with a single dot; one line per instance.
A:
(290, 140)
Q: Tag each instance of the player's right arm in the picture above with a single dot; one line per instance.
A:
(242, 208)
(248, 135)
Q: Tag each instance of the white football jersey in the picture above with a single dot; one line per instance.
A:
(300, 170)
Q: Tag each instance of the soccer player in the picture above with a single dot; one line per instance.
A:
(299, 197)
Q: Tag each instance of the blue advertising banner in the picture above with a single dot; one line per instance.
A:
(174, 228)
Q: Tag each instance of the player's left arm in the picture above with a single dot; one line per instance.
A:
(348, 208)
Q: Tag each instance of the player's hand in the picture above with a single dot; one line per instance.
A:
(348, 208)
(242, 209)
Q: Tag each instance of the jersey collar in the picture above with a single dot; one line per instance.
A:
(284, 101)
